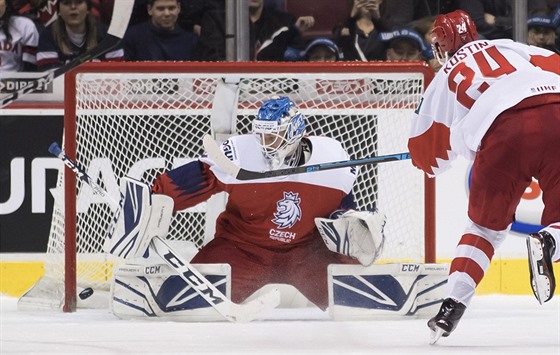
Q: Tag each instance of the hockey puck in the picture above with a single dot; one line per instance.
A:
(86, 293)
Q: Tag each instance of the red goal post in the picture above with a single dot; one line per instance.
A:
(143, 118)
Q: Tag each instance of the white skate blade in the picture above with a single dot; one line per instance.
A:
(539, 282)
(435, 335)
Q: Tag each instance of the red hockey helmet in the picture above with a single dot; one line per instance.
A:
(450, 32)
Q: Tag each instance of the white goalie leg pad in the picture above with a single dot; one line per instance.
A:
(155, 291)
(142, 216)
(387, 290)
(357, 234)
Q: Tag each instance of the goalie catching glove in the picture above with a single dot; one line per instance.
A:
(142, 216)
(357, 234)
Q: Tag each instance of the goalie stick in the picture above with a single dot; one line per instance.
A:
(233, 312)
(122, 11)
(215, 153)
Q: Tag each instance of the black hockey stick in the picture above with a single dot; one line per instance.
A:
(215, 153)
(233, 312)
(122, 11)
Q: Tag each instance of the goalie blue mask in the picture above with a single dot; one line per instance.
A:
(279, 127)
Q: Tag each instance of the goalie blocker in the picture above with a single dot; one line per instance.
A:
(143, 216)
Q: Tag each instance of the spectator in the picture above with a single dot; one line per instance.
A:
(319, 50)
(542, 33)
(407, 44)
(358, 36)
(494, 18)
(271, 31)
(322, 50)
(73, 33)
(160, 37)
(190, 12)
(18, 40)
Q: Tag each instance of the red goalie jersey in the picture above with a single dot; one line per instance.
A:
(483, 79)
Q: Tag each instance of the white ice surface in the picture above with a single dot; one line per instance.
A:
(491, 325)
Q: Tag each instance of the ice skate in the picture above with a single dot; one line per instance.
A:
(446, 320)
(541, 247)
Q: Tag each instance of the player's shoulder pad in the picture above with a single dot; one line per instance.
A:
(234, 147)
(334, 148)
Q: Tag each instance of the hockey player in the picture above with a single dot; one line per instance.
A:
(267, 232)
(496, 102)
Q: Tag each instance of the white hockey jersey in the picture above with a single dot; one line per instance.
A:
(481, 80)
(22, 47)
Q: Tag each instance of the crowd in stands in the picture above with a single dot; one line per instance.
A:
(38, 35)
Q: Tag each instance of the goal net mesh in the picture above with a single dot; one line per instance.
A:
(142, 123)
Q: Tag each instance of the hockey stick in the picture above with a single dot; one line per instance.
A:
(119, 22)
(215, 153)
(233, 312)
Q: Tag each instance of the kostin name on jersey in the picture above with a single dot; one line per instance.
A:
(463, 53)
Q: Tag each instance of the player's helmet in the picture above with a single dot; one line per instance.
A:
(450, 32)
(279, 127)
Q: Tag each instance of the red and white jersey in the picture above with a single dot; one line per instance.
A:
(480, 81)
(22, 47)
(273, 213)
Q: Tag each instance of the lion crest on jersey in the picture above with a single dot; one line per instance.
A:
(288, 211)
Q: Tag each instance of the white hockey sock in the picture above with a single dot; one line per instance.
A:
(460, 287)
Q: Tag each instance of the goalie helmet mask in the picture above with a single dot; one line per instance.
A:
(279, 128)
(450, 32)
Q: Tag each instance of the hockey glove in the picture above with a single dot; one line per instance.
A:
(357, 234)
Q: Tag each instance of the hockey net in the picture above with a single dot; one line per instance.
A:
(139, 119)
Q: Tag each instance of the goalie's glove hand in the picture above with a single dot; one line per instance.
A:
(357, 234)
